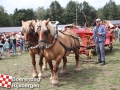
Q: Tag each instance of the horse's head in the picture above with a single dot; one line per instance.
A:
(46, 32)
(28, 30)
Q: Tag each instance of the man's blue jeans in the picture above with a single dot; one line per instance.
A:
(100, 50)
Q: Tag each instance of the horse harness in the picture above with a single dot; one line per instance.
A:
(56, 38)
(69, 48)
(46, 40)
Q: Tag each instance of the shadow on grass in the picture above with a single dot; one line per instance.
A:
(73, 80)
(80, 78)
(84, 77)
(108, 52)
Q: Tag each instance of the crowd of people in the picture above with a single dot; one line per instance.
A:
(11, 44)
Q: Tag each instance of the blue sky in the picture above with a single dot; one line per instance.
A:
(10, 5)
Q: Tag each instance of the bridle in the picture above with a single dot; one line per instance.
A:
(30, 41)
(47, 32)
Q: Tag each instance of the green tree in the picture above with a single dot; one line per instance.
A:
(70, 12)
(56, 11)
(22, 14)
(118, 12)
(110, 11)
(89, 13)
(47, 13)
(40, 13)
(5, 19)
(100, 13)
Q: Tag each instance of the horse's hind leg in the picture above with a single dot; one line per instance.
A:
(35, 73)
(77, 59)
(63, 70)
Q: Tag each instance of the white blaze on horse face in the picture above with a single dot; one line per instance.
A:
(43, 27)
(37, 24)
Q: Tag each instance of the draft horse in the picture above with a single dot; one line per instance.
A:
(31, 41)
(57, 45)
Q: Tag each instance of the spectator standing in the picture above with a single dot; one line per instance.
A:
(13, 41)
(118, 34)
(7, 47)
(19, 42)
(1, 46)
(2, 42)
(116, 31)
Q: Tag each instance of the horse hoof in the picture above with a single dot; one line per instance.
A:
(55, 85)
(55, 82)
(41, 77)
(35, 77)
(63, 72)
(77, 69)
(50, 81)
(44, 69)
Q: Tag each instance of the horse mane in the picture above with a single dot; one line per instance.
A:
(26, 25)
(51, 28)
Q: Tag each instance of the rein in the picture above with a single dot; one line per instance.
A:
(69, 35)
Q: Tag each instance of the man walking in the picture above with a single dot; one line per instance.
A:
(99, 33)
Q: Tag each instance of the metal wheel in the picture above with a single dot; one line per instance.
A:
(89, 56)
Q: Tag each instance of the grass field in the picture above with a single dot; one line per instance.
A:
(91, 76)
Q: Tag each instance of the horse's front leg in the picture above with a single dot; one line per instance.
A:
(35, 73)
(40, 75)
(63, 70)
(55, 80)
(51, 68)
(44, 65)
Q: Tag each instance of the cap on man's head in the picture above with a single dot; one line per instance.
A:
(98, 20)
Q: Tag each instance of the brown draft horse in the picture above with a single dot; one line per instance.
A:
(57, 45)
(31, 39)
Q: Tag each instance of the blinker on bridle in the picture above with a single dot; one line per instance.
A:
(45, 40)
(39, 28)
(31, 32)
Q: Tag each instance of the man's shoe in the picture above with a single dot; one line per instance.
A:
(103, 63)
(98, 62)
